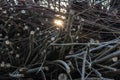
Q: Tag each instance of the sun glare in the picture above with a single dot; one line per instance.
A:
(59, 23)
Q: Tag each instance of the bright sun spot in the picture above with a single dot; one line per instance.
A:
(59, 23)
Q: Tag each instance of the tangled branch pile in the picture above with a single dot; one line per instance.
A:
(85, 47)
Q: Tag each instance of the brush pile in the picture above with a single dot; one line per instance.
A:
(85, 47)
